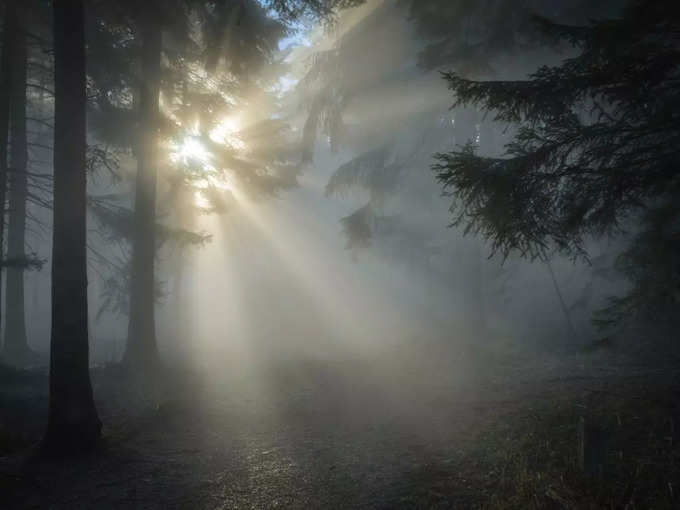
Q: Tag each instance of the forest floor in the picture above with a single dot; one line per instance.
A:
(395, 431)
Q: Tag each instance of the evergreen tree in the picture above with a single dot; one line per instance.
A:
(141, 350)
(201, 80)
(5, 83)
(477, 39)
(470, 35)
(597, 144)
(73, 424)
(16, 344)
(20, 182)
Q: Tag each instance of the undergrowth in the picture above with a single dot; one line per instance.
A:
(529, 460)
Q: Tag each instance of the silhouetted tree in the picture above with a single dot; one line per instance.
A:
(142, 349)
(598, 143)
(30, 98)
(73, 423)
(5, 82)
(16, 344)
(244, 36)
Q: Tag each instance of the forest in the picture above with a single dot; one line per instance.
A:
(340, 254)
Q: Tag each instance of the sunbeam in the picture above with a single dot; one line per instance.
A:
(339, 254)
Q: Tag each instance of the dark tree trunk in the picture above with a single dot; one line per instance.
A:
(73, 423)
(5, 81)
(16, 345)
(141, 349)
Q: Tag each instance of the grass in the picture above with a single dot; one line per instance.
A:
(529, 460)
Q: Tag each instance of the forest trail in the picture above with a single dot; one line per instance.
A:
(310, 434)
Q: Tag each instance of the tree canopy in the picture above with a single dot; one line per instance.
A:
(597, 143)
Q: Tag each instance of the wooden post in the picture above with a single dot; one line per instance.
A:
(591, 449)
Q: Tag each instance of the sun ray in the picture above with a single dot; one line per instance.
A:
(226, 132)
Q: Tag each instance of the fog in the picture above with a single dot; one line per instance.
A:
(300, 291)
(276, 277)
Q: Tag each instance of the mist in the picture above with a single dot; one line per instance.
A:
(339, 254)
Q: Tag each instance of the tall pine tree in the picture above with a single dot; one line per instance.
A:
(73, 423)
(597, 148)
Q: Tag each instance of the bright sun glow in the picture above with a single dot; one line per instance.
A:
(226, 132)
(191, 149)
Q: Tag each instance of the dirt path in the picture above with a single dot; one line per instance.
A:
(308, 435)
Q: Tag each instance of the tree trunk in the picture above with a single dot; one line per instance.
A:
(563, 305)
(478, 301)
(141, 349)
(5, 80)
(73, 424)
(182, 313)
(16, 345)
